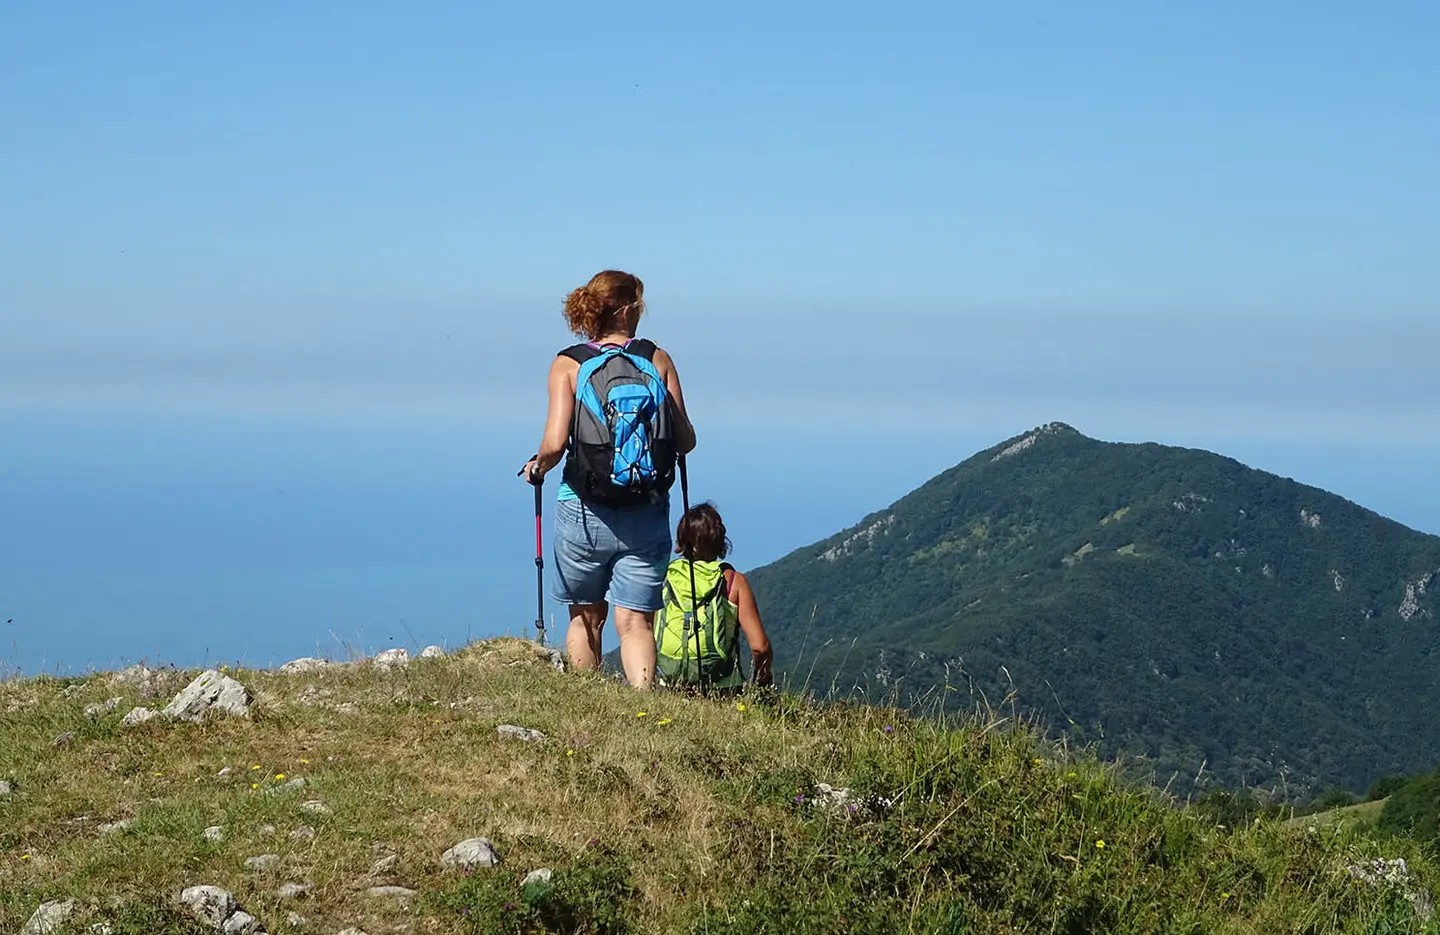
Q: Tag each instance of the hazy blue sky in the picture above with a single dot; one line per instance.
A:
(278, 282)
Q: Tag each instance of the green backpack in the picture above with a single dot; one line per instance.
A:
(714, 662)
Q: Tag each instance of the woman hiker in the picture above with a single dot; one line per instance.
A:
(617, 416)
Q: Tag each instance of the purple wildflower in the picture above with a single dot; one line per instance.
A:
(799, 798)
(888, 728)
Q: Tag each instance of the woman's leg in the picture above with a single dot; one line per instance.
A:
(637, 645)
(582, 641)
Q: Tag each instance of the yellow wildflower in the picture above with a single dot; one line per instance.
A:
(665, 720)
(1224, 895)
(739, 706)
(255, 767)
(304, 762)
(158, 775)
(569, 752)
(1100, 845)
(254, 785)
(279, 775)
(24, 856)
(1037, 761)
(641, 713)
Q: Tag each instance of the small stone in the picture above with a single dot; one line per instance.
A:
(104, 708)
(225, 773)
(557, 659)
(390, 892)
(303, 833)
(49, 917)
(519, 733)
(474, 852)
(304, 665)
(214, 834)
(384, 865)
(64, 740)
(537, 877)
(242, 923)
(211, 691)
(295, 920)
(352, 931)
(5, 787)
(392, 659)
(432, 652)
(116, 826)
(294, 890)
(293, 785)
(266, 831)
(209, 904)
(265, 863)
(315, 806)
(138, 716)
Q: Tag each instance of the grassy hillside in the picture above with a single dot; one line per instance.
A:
(1170, 605)
(656, 813)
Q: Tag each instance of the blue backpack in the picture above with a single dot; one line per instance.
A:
(622, 439)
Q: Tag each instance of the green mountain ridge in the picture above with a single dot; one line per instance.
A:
(1176, 608)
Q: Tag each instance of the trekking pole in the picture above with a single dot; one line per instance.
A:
(538, 483)
(694, 598)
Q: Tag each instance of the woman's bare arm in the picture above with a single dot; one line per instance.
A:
(684, 430)
(761, 653)
(558, 416)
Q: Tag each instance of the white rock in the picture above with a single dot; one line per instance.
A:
(123, 825)
(474, 852)
(138, 716)
(384, 865)
(391, 892)
(137, 674)
(104, 708)
(265, 863)
(242, 923)
(211, 691)
(543, 875)
(209, 904)
(391, 659)
(352, 932)
(519, 733)
(432, 652)
(303, 833)
(315, 806)
(49, 917)
(266, 831)
(294, 890)
(214, 834)
(306, 664)
(293, 785)
(225, 773)
(557, 659)
(296, 920)
(5, 787)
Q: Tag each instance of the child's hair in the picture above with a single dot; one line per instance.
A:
(593, 310)
(700, 536)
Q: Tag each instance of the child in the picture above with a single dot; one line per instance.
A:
(724, 603)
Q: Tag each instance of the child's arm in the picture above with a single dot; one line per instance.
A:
(760, 651)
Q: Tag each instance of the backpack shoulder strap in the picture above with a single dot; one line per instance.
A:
(727, 575)
(580, 352)
(642, 347)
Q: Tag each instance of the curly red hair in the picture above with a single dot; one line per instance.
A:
(594, 309)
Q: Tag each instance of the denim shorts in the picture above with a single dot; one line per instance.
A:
(618, 554)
